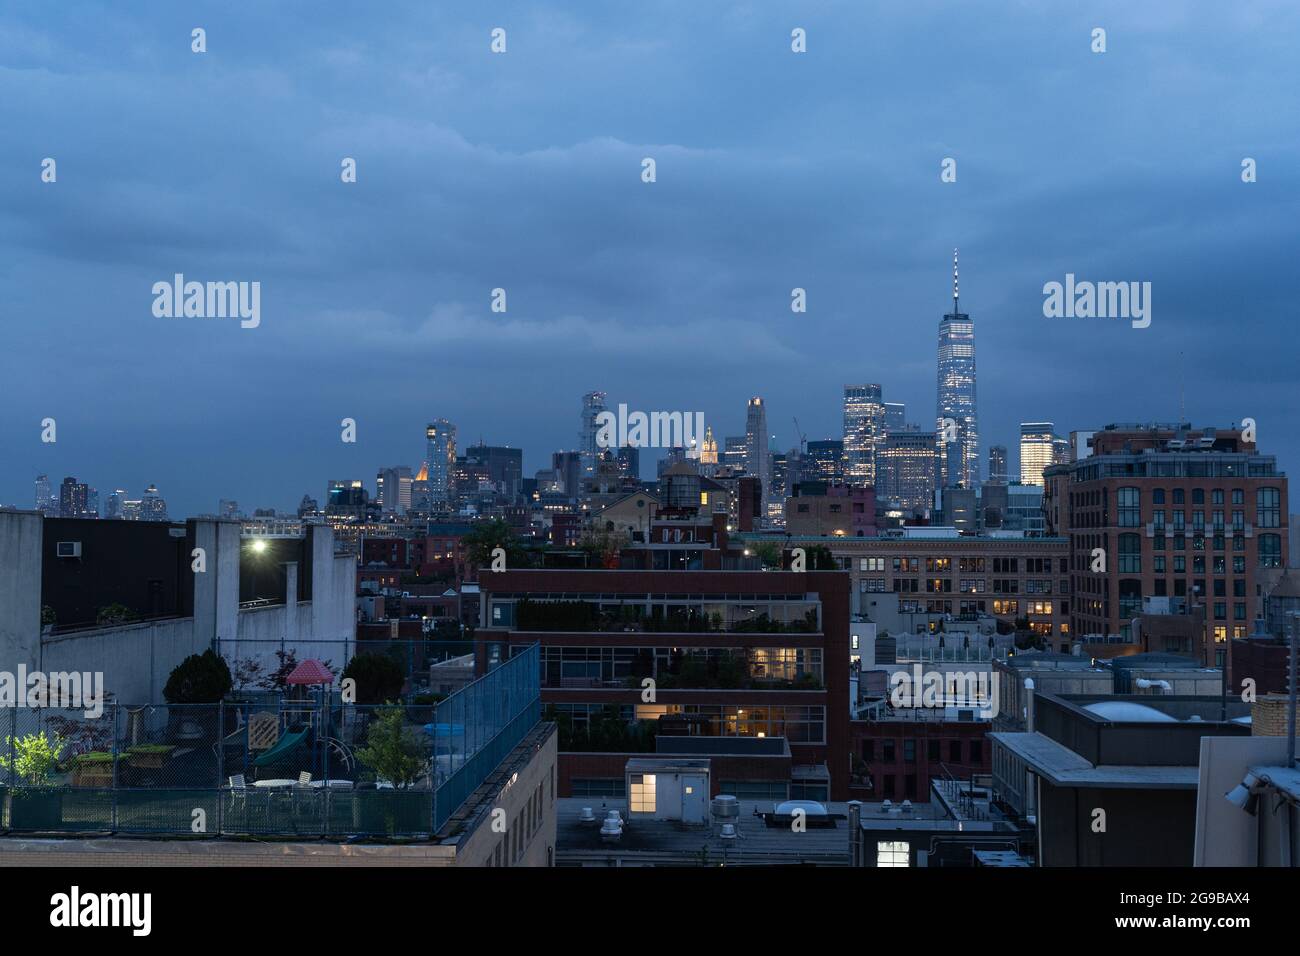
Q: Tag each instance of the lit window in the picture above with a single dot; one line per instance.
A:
(642, 796)
(892, 853)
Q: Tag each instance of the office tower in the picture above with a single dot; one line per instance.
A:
(308, 506)
(131, 509)
(440, 456)
(114, 503)
(45, 501)
(92, 502)
(1192, 514)
(958, 443)
(895, 416)
(226, 508)
(998, 463)
(905, 469)
(346, 497)
(1037, 444)
(72, 499)
(864, 426)
(1062, 453)
(152, 505)
(393, 489)
(629, 462)
(735, 451)
(593, 403)
(569, 466)
(825, 461)
(505, 466)
(758, 457)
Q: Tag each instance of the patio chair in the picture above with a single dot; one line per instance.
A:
(239, 792)
(304, 778)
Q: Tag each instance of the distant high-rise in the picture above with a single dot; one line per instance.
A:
(709, 448)
(505, 466)
(440, 456)
(998, 464)
(593, 403)
(115, 504)
(152, 505)
(957, 421)
(72, 499)
(393, 489)
(905, 469)
(735, 451)
(1037, 451)
(895, 416)
(864, 427)
(226, 508)
(45, 500)
(825, 461)
(758, 457)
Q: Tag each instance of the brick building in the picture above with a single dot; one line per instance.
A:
(732, 654)
(1172, 512)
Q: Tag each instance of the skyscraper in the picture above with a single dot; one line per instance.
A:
(440, 456)
(825, 460)
(1037, 451)
(72, 499)
(895, 416)
(957, 422)
(864, 428)
(152, 506)
(758, 457)
(998, 463)
(45, 501)
(905, 466)
(593, 403)
(393, 489)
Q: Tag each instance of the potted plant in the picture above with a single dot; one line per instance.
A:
(32, 759)
(397, 757)
(94, 769)
(48, 619)
(148, 756)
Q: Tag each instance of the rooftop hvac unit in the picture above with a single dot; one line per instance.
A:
(68, 549)
(728, 831)
(724, 806)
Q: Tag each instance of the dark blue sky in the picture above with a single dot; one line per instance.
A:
(522, 171)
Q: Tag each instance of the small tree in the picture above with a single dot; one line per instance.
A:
(34, 757)
(392, 749)
(199, 679)
(379, 678)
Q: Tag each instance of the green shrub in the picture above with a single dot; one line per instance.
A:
(199, 679)
(379, 678)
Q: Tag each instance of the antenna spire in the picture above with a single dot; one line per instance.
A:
(954, 282)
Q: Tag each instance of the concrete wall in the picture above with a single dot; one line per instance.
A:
(135, 659)
(520, 844)
(21, 534)
(1226, 835)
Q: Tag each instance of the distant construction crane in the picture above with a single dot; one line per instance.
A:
(803, 441)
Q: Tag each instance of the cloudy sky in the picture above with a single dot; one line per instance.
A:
(522, 171)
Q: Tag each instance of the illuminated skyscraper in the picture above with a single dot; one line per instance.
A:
(864, 429)
(758, 457)
(593, 403)
(709, 448)
(440, 457)
(905, 464)
(957, 422)
(1037, 451)
(998, 464)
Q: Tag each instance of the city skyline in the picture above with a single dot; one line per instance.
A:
(751, 201)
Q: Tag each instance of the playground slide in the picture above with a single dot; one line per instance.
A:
(289, 740)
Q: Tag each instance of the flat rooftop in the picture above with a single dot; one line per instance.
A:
(667, 842)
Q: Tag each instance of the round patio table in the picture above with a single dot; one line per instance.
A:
(275, 784)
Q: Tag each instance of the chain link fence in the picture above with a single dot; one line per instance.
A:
(296, 764)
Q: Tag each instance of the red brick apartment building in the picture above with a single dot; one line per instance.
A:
(1177, 512)
(896, 757)
(735, 655)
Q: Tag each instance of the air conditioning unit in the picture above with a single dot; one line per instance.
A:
(68, 549)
